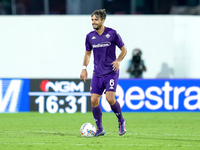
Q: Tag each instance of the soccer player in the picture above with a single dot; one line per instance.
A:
(102, 41)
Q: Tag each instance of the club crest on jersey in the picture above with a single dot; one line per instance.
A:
(107, 35)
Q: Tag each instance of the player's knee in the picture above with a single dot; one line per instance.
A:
(111, 100)
(94, 102)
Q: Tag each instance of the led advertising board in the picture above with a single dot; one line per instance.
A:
(14, 95)
(157, 95)
(59, 95)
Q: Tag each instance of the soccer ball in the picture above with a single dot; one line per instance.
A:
(88, 130)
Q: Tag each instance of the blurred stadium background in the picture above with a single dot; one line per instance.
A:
(31, 7)
(41, 54)
(42, 48)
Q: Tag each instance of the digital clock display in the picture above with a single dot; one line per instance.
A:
(62, 96)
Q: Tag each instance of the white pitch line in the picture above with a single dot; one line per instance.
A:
(141, 145)
(23, 143)
(166, 134)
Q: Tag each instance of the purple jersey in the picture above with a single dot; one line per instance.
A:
(104, 48)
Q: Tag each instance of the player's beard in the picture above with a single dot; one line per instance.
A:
(98, 27)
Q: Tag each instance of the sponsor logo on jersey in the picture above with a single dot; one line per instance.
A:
(104, 44)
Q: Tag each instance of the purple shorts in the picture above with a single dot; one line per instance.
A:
(109, 82)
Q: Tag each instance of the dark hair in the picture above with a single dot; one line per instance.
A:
(100, 13)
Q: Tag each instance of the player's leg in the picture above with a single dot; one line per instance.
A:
(110, 96)
(97, 114)
(96, 92)
(96, 110)
(111, 86)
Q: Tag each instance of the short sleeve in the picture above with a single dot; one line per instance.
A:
(87, 44)
(118, 40)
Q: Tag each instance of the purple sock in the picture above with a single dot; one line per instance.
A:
(97, 113)
(117, 110)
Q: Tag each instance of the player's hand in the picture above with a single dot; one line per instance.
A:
(83, 75)
(115, 65)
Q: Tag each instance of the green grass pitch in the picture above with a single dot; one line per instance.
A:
(145, 131)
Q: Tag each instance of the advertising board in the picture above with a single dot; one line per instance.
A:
(14, 95)
(73, 95)
(160, 95)
(59, 95)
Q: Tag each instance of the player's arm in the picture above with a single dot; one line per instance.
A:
(121, 56)
(86, 60)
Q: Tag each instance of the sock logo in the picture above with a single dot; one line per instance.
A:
(95, 120)
(117, 114)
